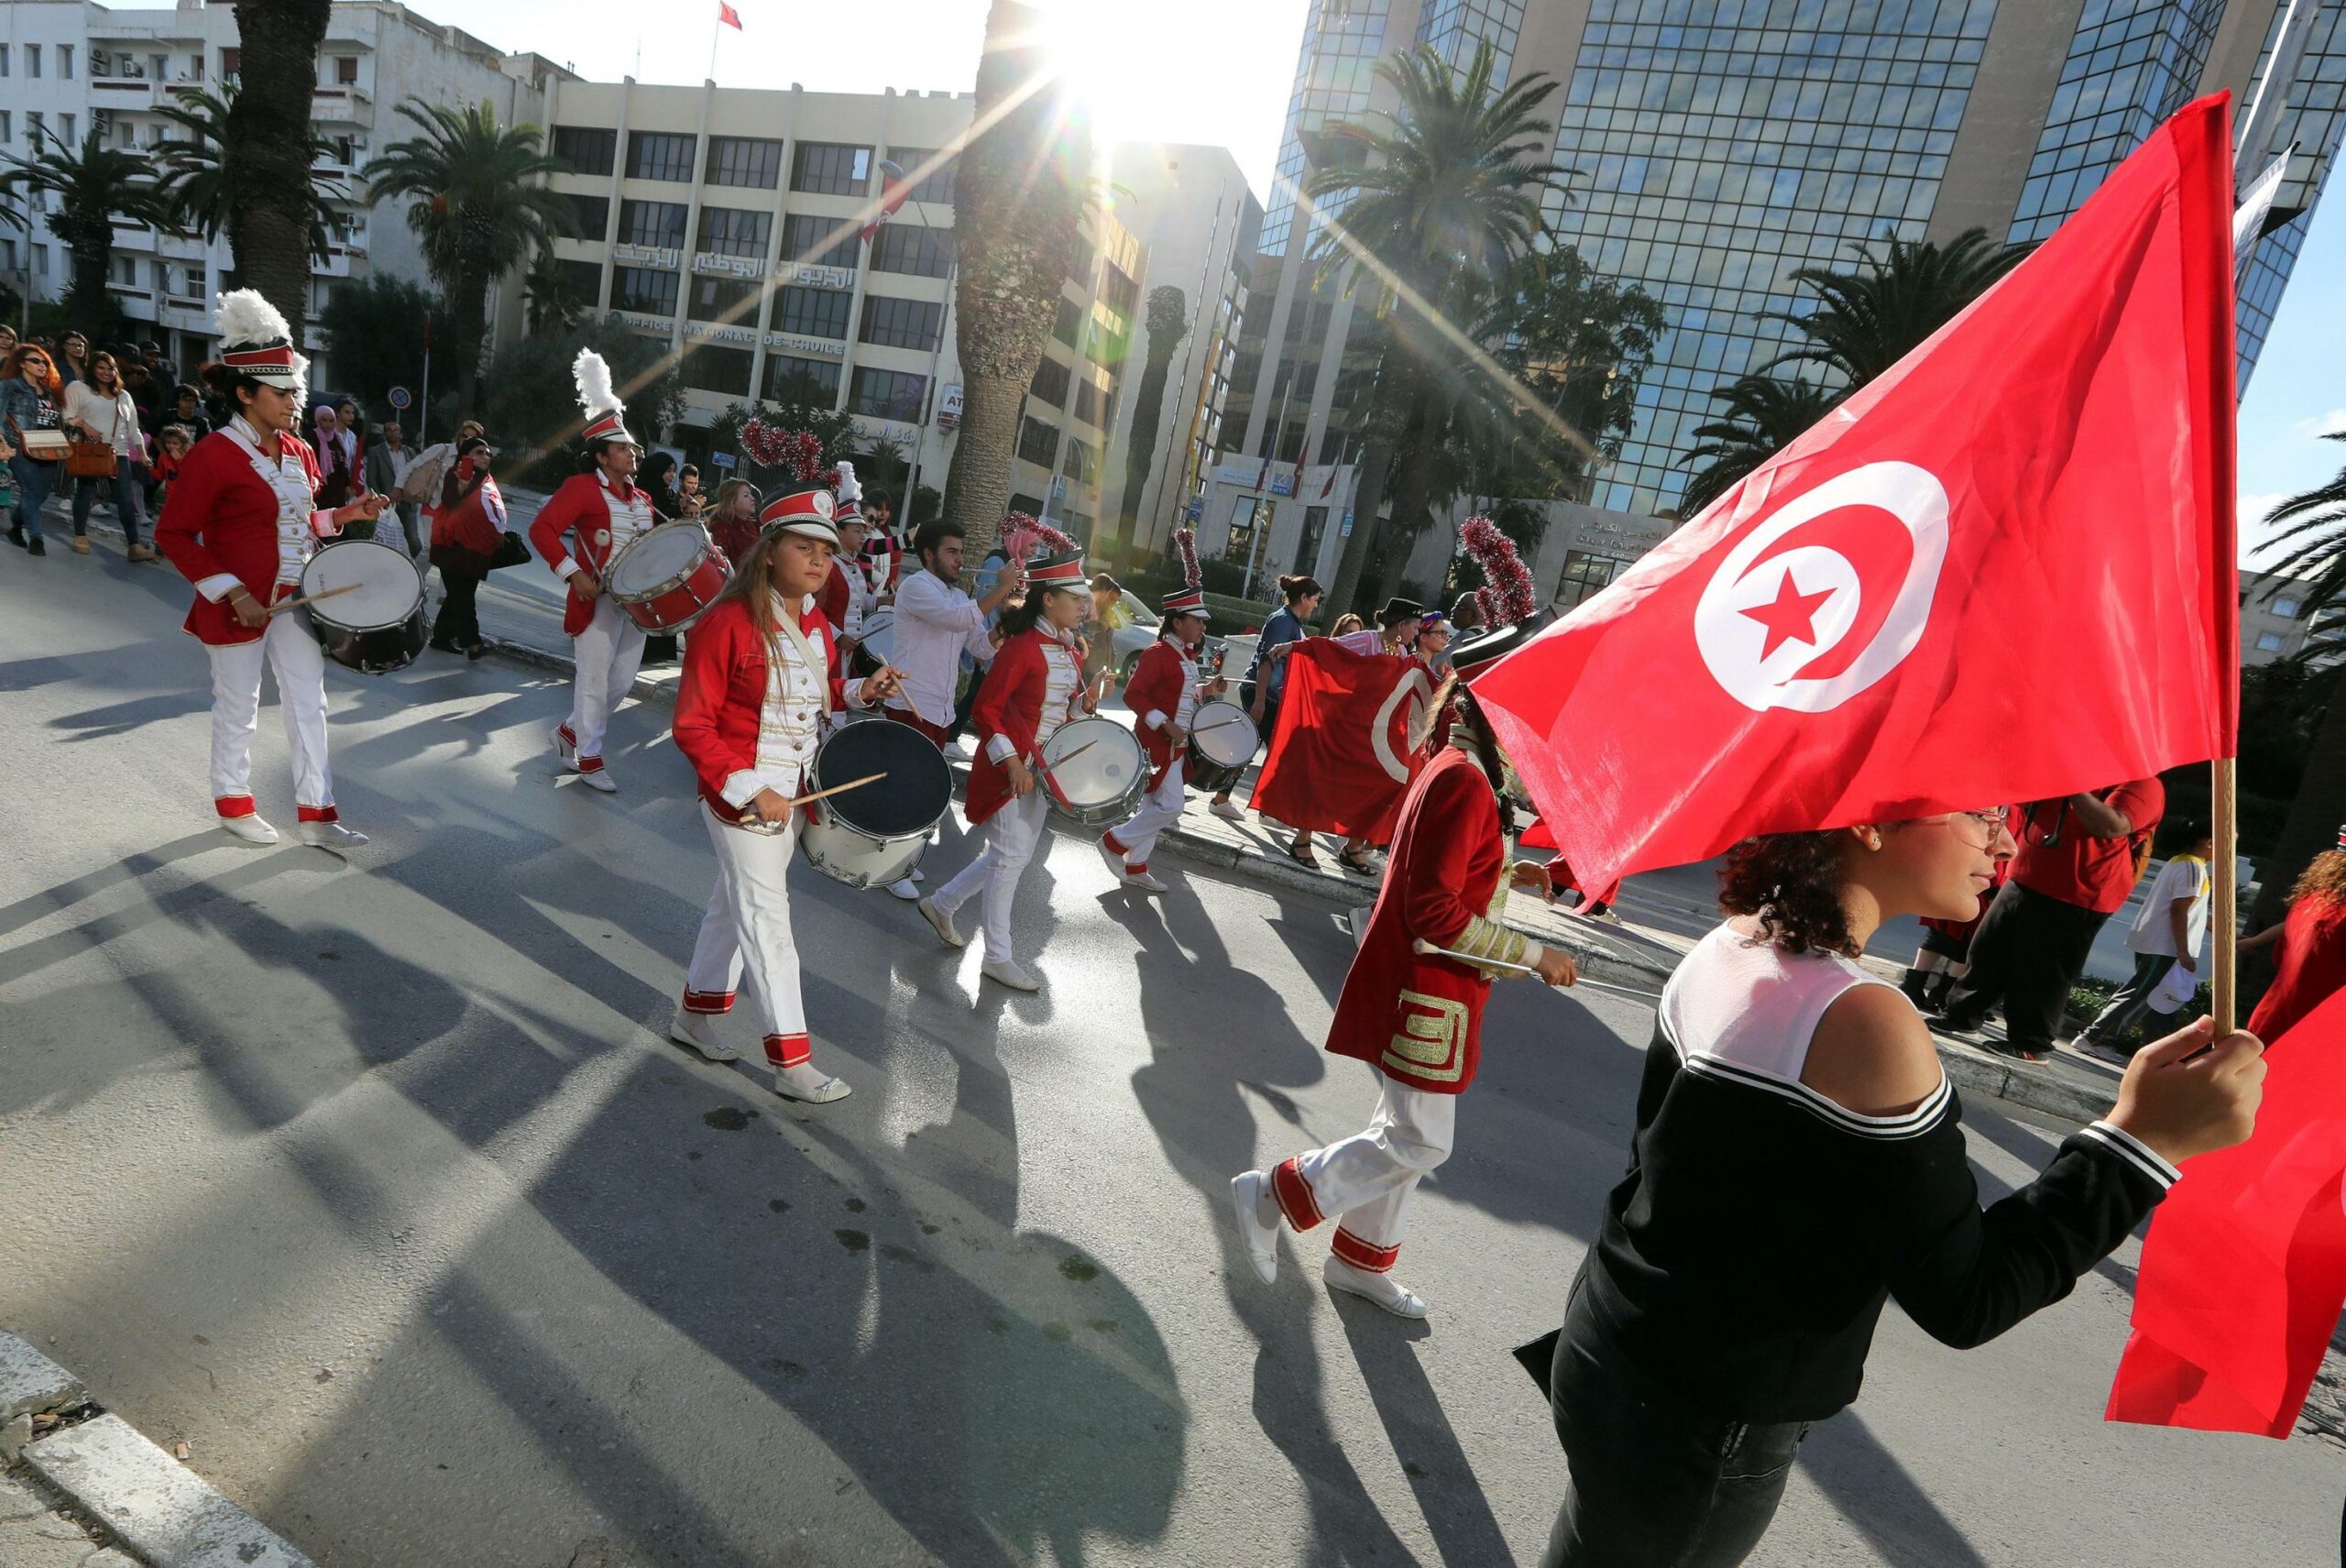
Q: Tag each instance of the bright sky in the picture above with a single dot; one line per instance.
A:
(1218, 71)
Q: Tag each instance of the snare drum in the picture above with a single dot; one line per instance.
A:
(874, 643)
(1103, 786)
(375, 626)
(874, 835)
(666, 578)
(1222, 742)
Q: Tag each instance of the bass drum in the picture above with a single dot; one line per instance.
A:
(876, 641)
(1222, 742)
(374, 620)
(1094, 772)
(876, 834)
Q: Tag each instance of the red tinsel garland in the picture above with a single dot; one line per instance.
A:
(1511, 596)
(798, 453)
(1186, 541)
(1022, 535)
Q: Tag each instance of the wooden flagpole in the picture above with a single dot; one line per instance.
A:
(2223, 925)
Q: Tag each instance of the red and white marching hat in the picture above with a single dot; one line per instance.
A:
(1062, 571)
(811, 512)
(256, 341)
(605, 415)
(850, 496)
(1186, 601)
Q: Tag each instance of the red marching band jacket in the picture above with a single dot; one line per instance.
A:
(577, 509)
(721, 699)
(1419, 1018)
(221, 516)
(1158, 675)
(1011, 704)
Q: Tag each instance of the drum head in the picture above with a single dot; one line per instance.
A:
(916, 792)
(1109, 760)
(382, 586)
(658, 559)
(1224, 733)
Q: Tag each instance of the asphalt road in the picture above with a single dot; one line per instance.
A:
(373, 1182)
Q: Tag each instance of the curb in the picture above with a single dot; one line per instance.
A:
(153, 1505)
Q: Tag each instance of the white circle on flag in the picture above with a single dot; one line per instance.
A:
(1406, 701)
(1760, 623)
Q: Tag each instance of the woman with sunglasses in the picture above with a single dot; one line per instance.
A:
(31, 399)
(1798, 1161)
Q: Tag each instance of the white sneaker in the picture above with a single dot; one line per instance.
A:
(328, 836)
(1144, 882)
(918, 875)
(1113, 856)
(1228, 810)
(1376, 1288)
(563, 749)
(810, 1084)
(1262, 1241)
(249, 827)
(700, 1031)
(600, 781)
(941, 923)
(906, 889)
(1006, 971)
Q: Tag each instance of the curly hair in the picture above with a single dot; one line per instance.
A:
(2324, 879)
(1791, 884)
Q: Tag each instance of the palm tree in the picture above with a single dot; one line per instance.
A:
(1867, 318)
(481, 208)
(1446, 185)
(2315, 543)
(266, 152)
(1764, 414)
(206, 188)
(553, 302)
(93, 186)
(1168, 324)
(1020, 189)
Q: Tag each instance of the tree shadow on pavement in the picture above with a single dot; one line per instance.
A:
(1423, 1439)
(1866, 1483)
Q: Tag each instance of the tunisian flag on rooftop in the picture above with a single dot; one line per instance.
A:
(2004, 570)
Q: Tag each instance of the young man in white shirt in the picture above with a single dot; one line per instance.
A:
(936, 623)
(2172, 929)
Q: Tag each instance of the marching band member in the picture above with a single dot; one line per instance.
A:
(846, 592)
(1416, 1017)
(1162, 695)
(1034, 686)
(241, 522)
(757, 682)
(602, 513)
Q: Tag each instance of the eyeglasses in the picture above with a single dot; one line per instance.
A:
(1991, 821)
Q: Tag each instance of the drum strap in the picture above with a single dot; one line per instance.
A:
(814, 661)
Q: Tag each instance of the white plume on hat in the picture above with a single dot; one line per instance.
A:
(849, 487)
(593, 379)
(243, 318)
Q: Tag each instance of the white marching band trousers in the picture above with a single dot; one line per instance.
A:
(609, 650)
(289, 647)
(1159, 809)
(1364, 1182)
(1012, 834)
(745, 935)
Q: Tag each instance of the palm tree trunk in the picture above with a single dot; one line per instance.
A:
(1387, 416)
(2314, 816)
(1140, 460)
(469, 306)
(976, 486)
(268, 136)
(1411, 495)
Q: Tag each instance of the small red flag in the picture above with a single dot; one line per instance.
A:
(728, 16)
(895, 190)
(1343, 758)
(2245, 1271)
(2004, 570)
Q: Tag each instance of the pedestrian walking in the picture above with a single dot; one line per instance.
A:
(467, 530)
(1797, 1161)
(172, 447)
(1036, 685)
(7, 340)
(1162, 695)
(2313, 947)
(32, 418)
(1098, 635)
(758, 683)
(2078, 861)
(187, 410)
(337, 477)
(243, 520)
(385, 471)
(600, 512)
(73, 358)
(732, 519)
(1414, 1016)
(1265, 680)
(2170, 932)
(102, 411)
(689, 500)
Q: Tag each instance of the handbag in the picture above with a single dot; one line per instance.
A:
(512, 551)
(94, 459)
(41, 443)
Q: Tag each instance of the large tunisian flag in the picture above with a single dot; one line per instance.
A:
(2001, 571)
(1345, 751)
(2245, 1269)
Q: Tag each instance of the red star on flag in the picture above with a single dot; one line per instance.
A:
(1791, 614)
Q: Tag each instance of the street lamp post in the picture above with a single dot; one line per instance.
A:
(933, 395)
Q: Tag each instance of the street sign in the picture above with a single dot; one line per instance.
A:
(1195, 510)
(1058, 487)
(399, 399)
(948, 407)
(1348, 524)
(721, 460)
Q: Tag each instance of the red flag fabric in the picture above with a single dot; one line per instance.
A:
(894, 190)
(1342, 759)
(728, 16)
(2003, 570)
(2245, 1271)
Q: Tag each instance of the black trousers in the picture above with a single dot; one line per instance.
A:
(2027, 953)
(458, 622)
(1655, 1484)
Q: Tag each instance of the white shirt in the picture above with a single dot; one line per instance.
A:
(631, 519)
(1367, 639)
(2184, 877)
(1062, 682)
(117, 420)
(789, 721)
(936, 623)
(1188, 707)
(298, 526)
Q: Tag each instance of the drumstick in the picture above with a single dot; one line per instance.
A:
(1432, 949)
(321, 594)
(752, 816)
(1218, 724)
